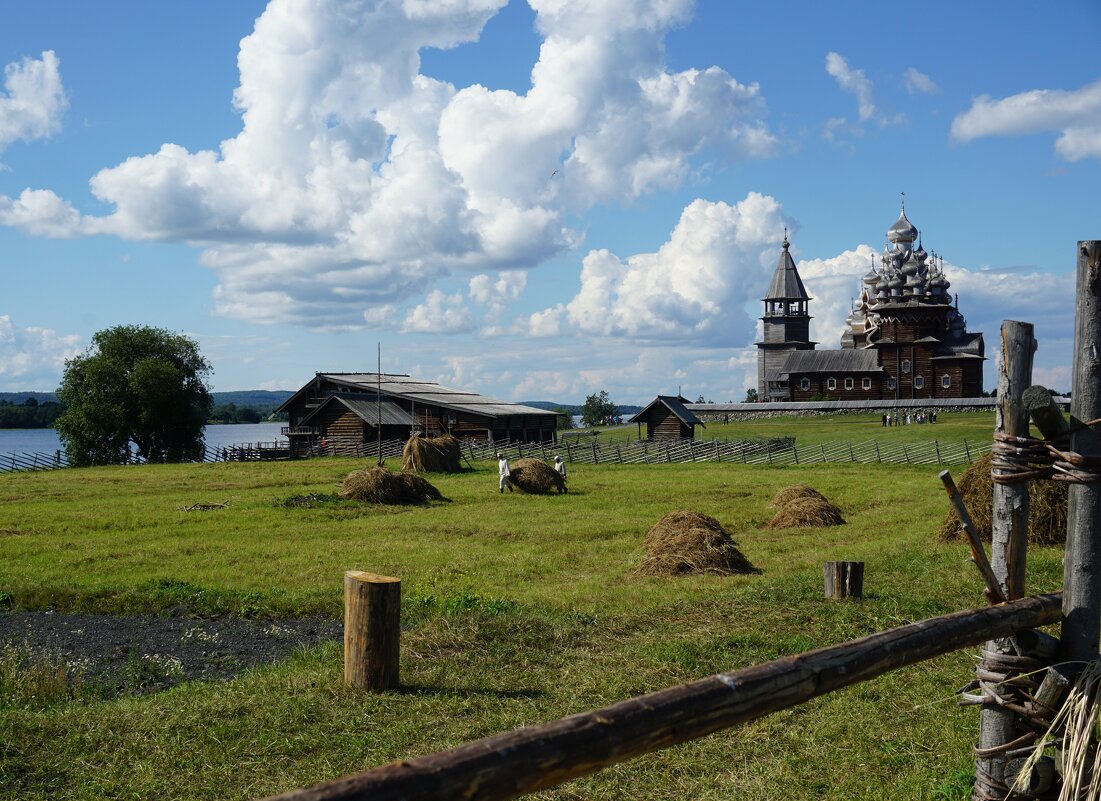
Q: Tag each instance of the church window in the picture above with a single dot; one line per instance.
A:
(804, 384)
(919, 382)
(848, 383)
(866, 383)
(946, 381)
(891, 383)
(831, 383)
(905, 365)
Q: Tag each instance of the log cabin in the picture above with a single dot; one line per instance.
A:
(667, 418)
(347, 409)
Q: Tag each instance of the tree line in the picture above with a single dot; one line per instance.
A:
(29, 414)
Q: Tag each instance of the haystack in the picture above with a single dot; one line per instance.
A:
(690, 542)
(535, 477)
(432, 454)
(1047, 507)
(809, 512)
(793, 493)
(379, 485)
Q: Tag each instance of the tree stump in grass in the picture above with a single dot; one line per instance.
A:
(372, 632)
(844, 579)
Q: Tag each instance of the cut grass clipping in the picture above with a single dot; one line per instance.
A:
(379, 485)
(535, 477)
(805, 508)
(432, 454)
(689, 542)
(1047, 507)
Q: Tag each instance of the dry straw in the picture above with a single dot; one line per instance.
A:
(535, 477)
(432, 454)
(1047, 500)
(689, 542)
(794, 493)
(379, 485)
(807, 512)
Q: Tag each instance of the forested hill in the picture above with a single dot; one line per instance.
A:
(575, 408)
(256, 398)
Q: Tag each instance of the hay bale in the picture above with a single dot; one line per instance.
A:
(1047, 507)
(807, 512)
(793, 493)
(689, 542)
(432, 454)
(379, 485)
(535, 477)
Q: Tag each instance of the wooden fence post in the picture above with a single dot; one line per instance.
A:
(998, 725)
(372, 630)
(843, 579)
(1082, 560)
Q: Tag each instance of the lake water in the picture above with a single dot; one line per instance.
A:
(44, 440)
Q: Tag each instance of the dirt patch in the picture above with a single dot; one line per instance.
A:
(147, 653)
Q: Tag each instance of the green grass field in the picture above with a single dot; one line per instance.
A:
(516, 610)
(951, 427)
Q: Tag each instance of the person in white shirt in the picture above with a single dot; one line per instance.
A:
(503, 471)
(560, 468)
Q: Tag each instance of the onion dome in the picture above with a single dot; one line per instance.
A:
(872, 278)
(902, 231)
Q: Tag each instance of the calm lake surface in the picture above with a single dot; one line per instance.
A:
(44, 440)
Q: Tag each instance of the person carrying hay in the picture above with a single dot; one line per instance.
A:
(503, 472)
(560, 468)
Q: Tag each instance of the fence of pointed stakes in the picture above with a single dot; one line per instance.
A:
(1037, 693)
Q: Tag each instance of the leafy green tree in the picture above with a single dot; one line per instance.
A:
(565, 420)
(598, 409)
(135, 384)
(750, 396)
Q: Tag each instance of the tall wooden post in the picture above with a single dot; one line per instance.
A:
(997, 725)
(1082, 559)
(372, 630)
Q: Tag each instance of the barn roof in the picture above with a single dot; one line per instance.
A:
(846, 360)
(423, 392)
(673, 403)
(367, 408)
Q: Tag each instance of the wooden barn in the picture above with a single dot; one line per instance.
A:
(667, 418)
(346, 409)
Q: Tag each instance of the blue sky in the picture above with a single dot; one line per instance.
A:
(536, 201)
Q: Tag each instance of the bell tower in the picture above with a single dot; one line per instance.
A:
(786, 327)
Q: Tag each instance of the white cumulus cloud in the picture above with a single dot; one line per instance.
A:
(33, 358)
(694, 288)
(917, 82)
(33, 100)
(1074, 115)
(356, 183)
(439, 314)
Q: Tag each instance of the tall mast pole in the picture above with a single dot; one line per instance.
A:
(378, 402)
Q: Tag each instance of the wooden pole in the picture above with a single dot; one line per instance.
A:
(993, 591)
(372, 630)
(843, 579)
(1082, 559)
(998, 725)
(534, 758)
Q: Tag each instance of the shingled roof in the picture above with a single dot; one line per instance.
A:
(673, 403)
(846, 360)
(786, 283)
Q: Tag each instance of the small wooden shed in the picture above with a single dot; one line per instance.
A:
(666, 417)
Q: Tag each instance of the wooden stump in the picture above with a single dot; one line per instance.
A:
(372, 633)
(844, 579)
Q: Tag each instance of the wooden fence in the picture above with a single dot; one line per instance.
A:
(592, 452)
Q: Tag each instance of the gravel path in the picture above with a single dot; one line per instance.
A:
(150, 653)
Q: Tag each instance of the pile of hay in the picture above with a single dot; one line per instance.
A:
(1047, 507)
(432, 454)
(690, 542)
(807, 512)
(793, 493)
(535, 477)
(379, 485)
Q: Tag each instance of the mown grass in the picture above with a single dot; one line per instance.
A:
(516, 610)
(951, 427)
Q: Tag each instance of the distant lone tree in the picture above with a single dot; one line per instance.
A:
(135, 384)
(598, 410)
(750, 396)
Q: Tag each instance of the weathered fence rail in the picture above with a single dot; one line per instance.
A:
(526, 760)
